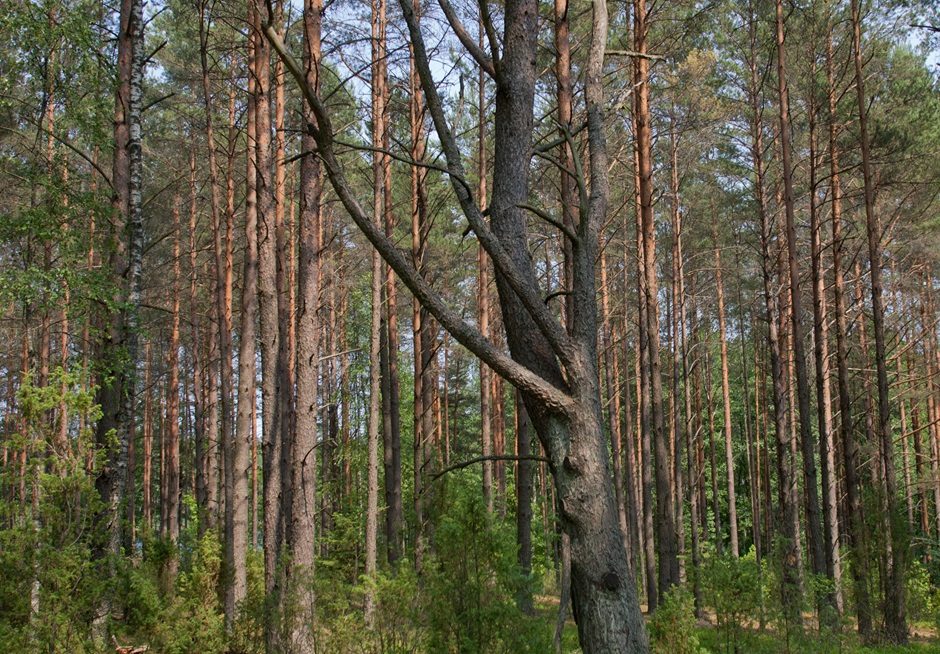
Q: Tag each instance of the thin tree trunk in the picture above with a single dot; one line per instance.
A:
(678, 311)
(726, 397)
(391, 393)
(423, 382)
(172, 446)
(524, 469)
(644, 412)
(665, 500)
(894, 605)
(271, 280)
(195, 320)
(807, 438)
(563, 96)
(856, 529)
(147, 440)
(628, 431)
(823, 391)
(789, 542)
(613, 399)
(483, 304)
(223, 254)
(378, 209)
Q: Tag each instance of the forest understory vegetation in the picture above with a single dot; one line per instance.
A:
(466, 326)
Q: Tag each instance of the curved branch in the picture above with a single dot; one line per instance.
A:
(465, 333)
(466, 40)
(482, 459)
(547, 217)
(556, 336)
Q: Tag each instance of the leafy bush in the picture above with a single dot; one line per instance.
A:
(734, 589)
(672, 628)
(193, 621)
(472, 583)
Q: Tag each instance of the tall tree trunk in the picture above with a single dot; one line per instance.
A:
(483, 304)
(856, 530)
(678, 424)
(726, 396)
(302, 526)
(378, 212)
(270, 317)
(807, 438)
(223, 255)
(117, 347)
(894, 607)
(195, 348)
(665, 500)
(271, 215)
(644, 432)
(789, 542)
(564, 98)
(391, 392)
(172, 445)
(628, 431)
(423, 380)
(236, 448)
(823, 391)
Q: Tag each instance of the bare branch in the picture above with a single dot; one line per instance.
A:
(638, 55)
(466, 40)
(544, 215)
(481, 459)
(465, 333)
(559, 341)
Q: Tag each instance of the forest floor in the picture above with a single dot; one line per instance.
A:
(714, 639)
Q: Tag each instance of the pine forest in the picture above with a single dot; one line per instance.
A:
(470, 326)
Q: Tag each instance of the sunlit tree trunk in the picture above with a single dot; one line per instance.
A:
(856, 530)
(171, 530)
(726, 397)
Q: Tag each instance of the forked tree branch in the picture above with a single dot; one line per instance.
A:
(475, 50)
(559, 341)
(465, 333)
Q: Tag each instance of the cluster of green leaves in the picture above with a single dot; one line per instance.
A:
(464, 600)
(49, 587)
(672, 627)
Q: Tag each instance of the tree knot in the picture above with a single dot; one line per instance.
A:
(610, 581)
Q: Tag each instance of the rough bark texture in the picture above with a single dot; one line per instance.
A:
(171, 530)
(856, 531)
(236, 448)
(302, 525)
(726, 401)
(119, 329)
(807, 437)
(666, 543)
(894, 606)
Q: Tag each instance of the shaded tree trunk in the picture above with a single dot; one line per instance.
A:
(807, 438)
(894, 605)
